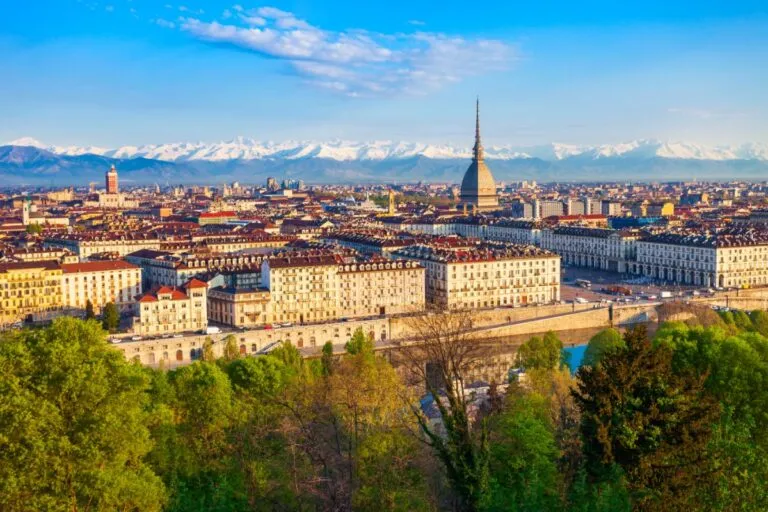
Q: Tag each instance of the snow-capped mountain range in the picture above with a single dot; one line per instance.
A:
(242, 148)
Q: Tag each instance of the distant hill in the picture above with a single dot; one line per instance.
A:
(28, 161)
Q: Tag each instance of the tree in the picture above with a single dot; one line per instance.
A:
(654, 424)
(541, 353)
(735, 368)
(359, 343)
(73, 416)
(602, 343)
(89, 314)
(231, 350)
(110, 317)
(760, 321)
(524, 454)
(440, 357)
(389, 477)
(742, 321)
(34, 229)
(327, 359)
(208, 353)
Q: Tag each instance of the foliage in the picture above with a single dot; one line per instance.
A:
(653, 423)
(231, 350)
(327, 359)
(390, 478)
(73, 419)
(679, 423)
(89, 314)
(34, 229)
(208, 353)
(541, 353)
(602, 343)
(360, 343)
(440, 361)
(759, 320)
(110, 317)
(524, 454)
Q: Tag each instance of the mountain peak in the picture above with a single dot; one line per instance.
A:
(28, 142)
(246, 149)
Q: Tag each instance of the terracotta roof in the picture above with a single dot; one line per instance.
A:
(217, 214)
(153, 294)
(195, 283)
(97, 266)
(22, 265)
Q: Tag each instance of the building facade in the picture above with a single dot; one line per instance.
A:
(168, 310)
(605, 249)
(100, 282)
(731, 257)
(490, 275)
(29, 290)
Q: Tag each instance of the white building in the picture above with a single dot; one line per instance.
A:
(489, 275)
(100, 282)
(167, 310)
(732, 257)
(605, 249)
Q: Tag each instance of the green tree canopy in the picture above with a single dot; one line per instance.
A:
(73, 417)
(110, 317)
(89, 314)
(541, 353)
(359, 343)
(653, 423)
(602, 343)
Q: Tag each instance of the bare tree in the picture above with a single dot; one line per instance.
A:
(440, 353)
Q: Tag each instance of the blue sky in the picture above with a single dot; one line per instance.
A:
(118, 72)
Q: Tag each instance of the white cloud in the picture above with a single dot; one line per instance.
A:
(417, 23)
(226, 14)
(356, 62)
(164, 23)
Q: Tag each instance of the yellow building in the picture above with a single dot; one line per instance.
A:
(316, 288)
(662, 209)
(29, 289)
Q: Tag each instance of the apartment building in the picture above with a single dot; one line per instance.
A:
(100, 282)
(730, 257)
(488, 275)
(605, 249)
(86, 245)
(30, 289)
(321, 287)
(170, 309)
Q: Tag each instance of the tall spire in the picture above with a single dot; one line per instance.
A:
(478, 149)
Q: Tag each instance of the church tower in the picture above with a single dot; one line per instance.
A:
(392, 206)
(26, 208)
(111, 179)
(478, 188)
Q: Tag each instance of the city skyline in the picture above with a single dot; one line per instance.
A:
(131, 72)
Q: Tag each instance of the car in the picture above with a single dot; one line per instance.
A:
(287, 324)
(178, 335)
(136, 338)
(268, 327)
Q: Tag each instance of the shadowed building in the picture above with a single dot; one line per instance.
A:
(478, 189)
